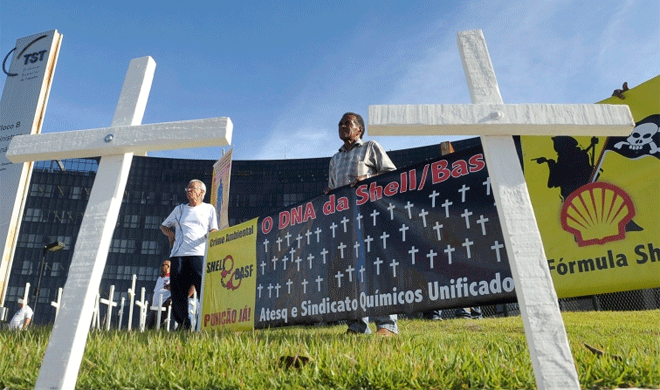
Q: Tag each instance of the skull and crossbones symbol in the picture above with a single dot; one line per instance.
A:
(641, 136)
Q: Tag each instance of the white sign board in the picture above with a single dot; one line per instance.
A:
(24, 99)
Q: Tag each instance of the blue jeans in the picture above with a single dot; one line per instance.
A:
(362, 325)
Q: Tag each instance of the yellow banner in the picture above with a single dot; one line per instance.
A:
(596, 202)
(230, 278)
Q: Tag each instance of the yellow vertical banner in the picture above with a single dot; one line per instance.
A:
(596, 202)
(220, 188)
(230, 278)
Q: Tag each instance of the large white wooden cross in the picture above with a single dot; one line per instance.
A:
(116, 146)
(495, 122)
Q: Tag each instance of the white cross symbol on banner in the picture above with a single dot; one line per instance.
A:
(496, 122)
(116, 146)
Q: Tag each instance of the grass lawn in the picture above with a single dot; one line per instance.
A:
(451, 354)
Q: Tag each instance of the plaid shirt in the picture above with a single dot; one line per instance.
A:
(363, 158)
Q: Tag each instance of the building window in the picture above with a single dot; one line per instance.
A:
(131, 221)
(149, 247)
(32, 215)
(122, 246)
(152, 222)
(76, 192)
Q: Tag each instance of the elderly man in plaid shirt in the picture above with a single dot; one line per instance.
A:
(359, 160)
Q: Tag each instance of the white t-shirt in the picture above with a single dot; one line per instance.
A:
(18, 320)
(159, 290)
(191, 225)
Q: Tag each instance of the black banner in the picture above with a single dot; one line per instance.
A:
(420, 238)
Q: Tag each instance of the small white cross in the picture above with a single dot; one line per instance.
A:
(56, 304)
(409, 207)
(403, 229)
(446, 205)
(159, 309)
(368, 242)
(259, 288)
(318, 234)
(284, 260)
(323, 253)
(463, 190)
(319, 279)
(393, 264)
(110, 302)
(482, 221)
(361, 271)
(263, 267)
(384, 237)
(310, 257)
(438, 227)
(431, 255)
(350, 270)
(274, 260)
(304, 284)
(333, 226)
(266, 245)
(339, 276)
(466, 214)
(298, 260)
(270, 290)
(143, 304)
(307, 235)
(467, 244)
(356, 246)
(448, 251)
(377, 263)
(288, 286)
(288, 238)
(299, 238)
(277, 290)
(496, 247)
(279, 243)
(423, 214)
(433, 195)
(374, 214)
(341, 248)
(344, 221)
(131, 301)
(412, 252)
(391, 208)
(359, 220)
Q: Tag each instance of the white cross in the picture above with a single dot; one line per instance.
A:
(433, 195)
(279, 243)
(319, 279)
(496, 122)
(496, 247)
(143, 303)
(467, 244)
(121, 313)
(482, 221)
(391, 208)
(288, 286)
(304, 284)
(448, 251)
(318, 234)
(446, 205)
(131, 300)
(116, 146)
(310, 257)
(412, 252)
(403, 229)
(270, 290)
(339, 276)
(341, 248)
(277, 290)
(359, 219)
(111, 303)
(323, 253)
(159, 309)
(299, 238)
(350, 270)
(431, 255)
(284, 260)
(333, 227)
(423, 214)
(374, 214)
(356, 246)
(344, 221)
(361, 271)
(377, 263)
(56, 304)
(259, 288)
(263, 267)
(438, 227)
(307, 234)
(266, 245)
(274, 260)
(487, 184)
(466, 214)
(409, 207)
(288, 238)
(384, 237)
(368, 242)
(463, 190)
(96, 314)
(393, 264)
(298, 260)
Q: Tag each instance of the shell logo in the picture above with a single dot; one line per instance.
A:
(597, 213)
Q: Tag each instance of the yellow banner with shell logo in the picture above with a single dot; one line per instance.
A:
(230, 279)
(596, 202)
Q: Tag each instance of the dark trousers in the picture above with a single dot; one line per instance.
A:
(186, 271)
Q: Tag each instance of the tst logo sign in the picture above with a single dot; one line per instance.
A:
(34, 57)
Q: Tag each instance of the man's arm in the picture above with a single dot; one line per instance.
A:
(169, 232)
(26, 323)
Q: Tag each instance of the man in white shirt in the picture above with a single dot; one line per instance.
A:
(187, 229)
(23, 317)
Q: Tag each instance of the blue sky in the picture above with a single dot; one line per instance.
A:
(285, 71)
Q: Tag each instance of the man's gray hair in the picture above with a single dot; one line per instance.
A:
(201, 184)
